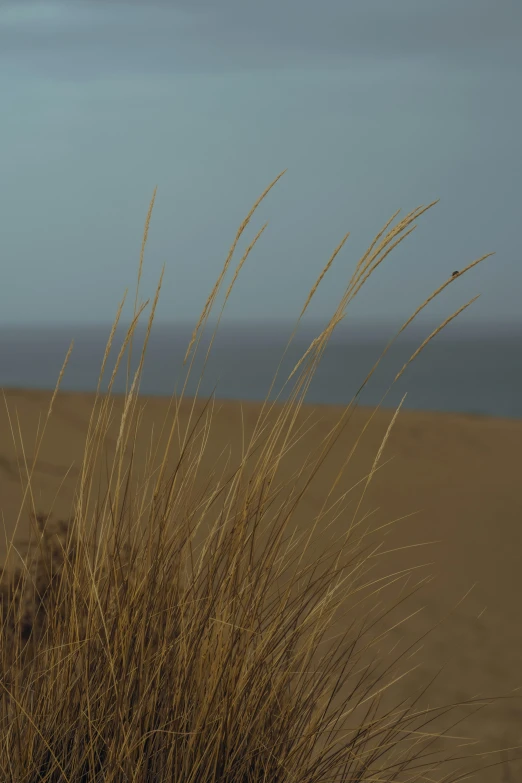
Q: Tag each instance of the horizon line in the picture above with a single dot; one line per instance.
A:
(374, 327)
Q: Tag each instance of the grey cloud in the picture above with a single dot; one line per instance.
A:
(97, 110)
(95, 37)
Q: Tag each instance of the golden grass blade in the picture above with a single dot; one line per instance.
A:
(138, 651)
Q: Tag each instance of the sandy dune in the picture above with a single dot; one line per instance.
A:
(463, 474)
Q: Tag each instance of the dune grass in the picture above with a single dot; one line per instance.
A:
(128, 655)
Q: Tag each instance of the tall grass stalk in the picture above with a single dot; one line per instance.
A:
(127, 655)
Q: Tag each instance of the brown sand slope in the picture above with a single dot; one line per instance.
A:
(463, 474)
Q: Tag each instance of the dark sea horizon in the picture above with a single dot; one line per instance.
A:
(470, 369)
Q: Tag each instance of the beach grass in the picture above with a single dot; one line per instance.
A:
(131, 654)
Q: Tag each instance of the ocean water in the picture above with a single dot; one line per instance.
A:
(462, 372)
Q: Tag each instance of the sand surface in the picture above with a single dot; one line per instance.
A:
(462, 474)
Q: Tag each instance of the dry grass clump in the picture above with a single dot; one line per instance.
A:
(129, 655)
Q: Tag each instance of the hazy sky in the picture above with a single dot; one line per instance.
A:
(372, 106)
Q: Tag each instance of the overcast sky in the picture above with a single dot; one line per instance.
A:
(371, 105)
